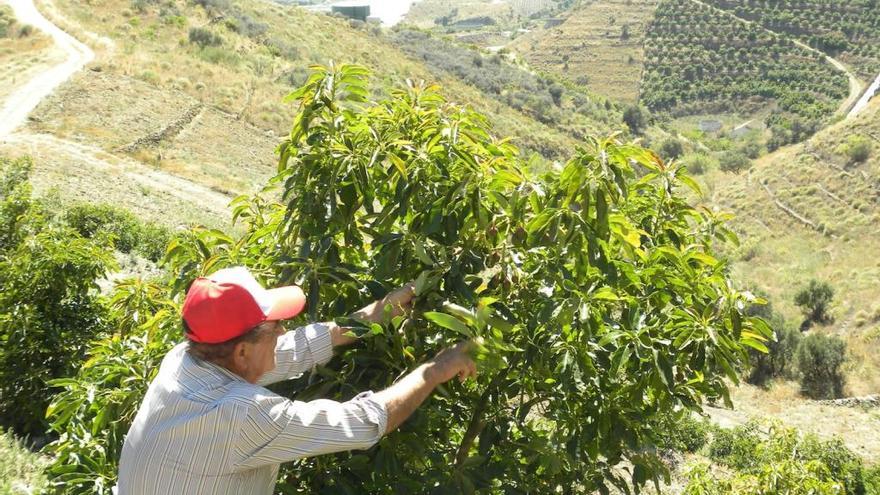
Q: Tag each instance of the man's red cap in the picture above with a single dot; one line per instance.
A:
(231, 302)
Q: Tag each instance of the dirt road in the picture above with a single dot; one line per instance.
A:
(24, 99)
(20, 103)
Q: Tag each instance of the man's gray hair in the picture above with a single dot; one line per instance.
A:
(219, 353)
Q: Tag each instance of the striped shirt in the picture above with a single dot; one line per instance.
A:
(201, 429)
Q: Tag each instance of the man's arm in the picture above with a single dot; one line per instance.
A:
(399, 300)
(280, 430)
(405, 396)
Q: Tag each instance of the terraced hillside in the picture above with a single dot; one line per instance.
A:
(700, 60)
(812, 211)
(462, 14)
(846, 29)
(571, 109)
(193, 91)
(599, 45)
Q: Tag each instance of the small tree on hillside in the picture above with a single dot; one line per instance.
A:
(819, 359)
(671, 149)
(857, 149)
(634, 117)
(814, 300)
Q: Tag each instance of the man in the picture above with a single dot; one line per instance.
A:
(208, 426)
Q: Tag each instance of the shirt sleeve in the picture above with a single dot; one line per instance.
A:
(299, 351)
(279, 430)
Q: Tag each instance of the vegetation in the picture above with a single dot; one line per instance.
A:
(671, 149)
(814, 300)
(21, 471)
(534, 266)
(698, 60)
(49, 308)
(598, 45)
(733, 161)
(819, 359)
(769, 458)
(635, 118)
(127, 232)
(856, 149)
(849, 29)
(779, 362)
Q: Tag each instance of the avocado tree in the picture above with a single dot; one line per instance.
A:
(592, 290)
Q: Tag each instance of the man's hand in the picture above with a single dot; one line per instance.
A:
(400, 301)
(402, 398)
(451, 362)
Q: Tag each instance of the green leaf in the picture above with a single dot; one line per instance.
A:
(450, 322)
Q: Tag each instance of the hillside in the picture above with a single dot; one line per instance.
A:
(806, 212)
(599, 44)
(847, 29)
(194, 92)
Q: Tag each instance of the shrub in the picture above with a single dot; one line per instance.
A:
(733, 161)
(814, 300)
(93, 220)
(700, 163)
(768, 458)
(819, 359)
(126, 231)
(49, 308)
(634, 117)
(671, 149)
(204, 37)
(21, 471)
(857, 149)
(682, 432)
(778, 361)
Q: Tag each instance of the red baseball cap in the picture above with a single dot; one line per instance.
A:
(231, 302)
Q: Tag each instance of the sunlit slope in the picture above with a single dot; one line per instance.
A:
(805, 212)
(196, 89)
(599, 44)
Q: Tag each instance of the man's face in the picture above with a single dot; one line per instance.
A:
(261, 353)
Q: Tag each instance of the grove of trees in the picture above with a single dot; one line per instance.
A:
(848, 29)
(697, 60)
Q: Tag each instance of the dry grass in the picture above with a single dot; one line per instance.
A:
(783, 254)
(21, 58)
(589, 46)
(21, 471)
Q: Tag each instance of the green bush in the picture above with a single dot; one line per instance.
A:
(671, 149)
(733, 161)
(127, 232)
(635, 118)
(49, 305)
(700, 163)
(778, 361)
(204, 37)
(94, 220)
(682, 432)
(765, 457)
(856, 149)
(819, 360)
(814, 300)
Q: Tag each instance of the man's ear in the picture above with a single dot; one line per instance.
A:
(241, 354)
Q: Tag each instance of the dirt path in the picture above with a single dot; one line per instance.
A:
(855, 84)
(22, 101)
(872, 91)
